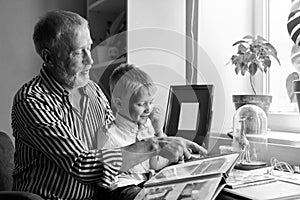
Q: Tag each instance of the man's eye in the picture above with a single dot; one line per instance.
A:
(76, 53)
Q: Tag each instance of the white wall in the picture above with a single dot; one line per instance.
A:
(221, 23)
(156, 41)
(18, 60)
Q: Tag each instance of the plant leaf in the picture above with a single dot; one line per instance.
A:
(244, 68)
(249, 37)
(249, 57)
(266, 63)
(261, 38)
(238, 42)
(253, 68)
(271, 48)
(229, 62)
(272, 51)
(242, 49)
(236, 59)
(237, 70)
(274, 56)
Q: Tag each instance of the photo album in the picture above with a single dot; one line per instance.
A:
(201, 178)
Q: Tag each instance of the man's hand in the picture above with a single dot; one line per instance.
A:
(172, 148)
(157, 120)
(138, 152)
(178, 149)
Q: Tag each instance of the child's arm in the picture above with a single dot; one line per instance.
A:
(157, 120)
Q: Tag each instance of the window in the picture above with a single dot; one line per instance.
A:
(282, 109)
(279, 37)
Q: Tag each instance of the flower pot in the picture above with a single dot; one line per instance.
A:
(263, 101)
(296, 90)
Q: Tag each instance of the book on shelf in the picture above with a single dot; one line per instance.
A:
(202, 178)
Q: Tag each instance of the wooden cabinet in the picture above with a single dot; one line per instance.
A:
(108, 26)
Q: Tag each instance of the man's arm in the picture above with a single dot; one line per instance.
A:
(44, 130)
(172, 148)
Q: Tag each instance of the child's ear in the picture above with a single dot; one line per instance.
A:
(118, 103)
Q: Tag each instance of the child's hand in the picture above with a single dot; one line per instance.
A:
(157, 120)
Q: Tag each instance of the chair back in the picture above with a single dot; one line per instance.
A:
(6, 162)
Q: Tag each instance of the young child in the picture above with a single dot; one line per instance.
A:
(133, 92)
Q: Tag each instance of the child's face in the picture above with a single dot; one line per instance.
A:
(139, 106)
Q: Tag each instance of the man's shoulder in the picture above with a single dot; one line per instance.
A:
(29, 87)
(33, 89)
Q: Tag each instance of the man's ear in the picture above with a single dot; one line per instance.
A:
(46, 56)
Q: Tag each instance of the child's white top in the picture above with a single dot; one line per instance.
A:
(123, 132)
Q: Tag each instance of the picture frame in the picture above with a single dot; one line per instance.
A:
(189, 112)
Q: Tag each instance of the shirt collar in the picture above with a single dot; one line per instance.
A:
(51, 84)
(126, 124)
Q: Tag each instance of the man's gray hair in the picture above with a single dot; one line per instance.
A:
(56, 28)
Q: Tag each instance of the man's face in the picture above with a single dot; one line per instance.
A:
(139, 106)
(75, 61)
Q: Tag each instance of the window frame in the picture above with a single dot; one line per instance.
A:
(261, 27)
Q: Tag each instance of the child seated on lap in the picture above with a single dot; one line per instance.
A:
(133, 92)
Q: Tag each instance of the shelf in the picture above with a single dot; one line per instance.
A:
(94, 5)
(105, 6)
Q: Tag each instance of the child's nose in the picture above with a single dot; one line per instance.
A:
(148, 108)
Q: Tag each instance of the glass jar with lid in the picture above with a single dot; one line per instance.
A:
(250, 135)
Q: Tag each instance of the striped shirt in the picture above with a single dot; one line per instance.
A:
(55, 145)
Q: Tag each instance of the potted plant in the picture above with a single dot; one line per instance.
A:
(254, 54)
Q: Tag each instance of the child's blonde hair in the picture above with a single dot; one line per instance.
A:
(126, 80)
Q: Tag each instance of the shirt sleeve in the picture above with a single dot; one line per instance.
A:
(44, 129)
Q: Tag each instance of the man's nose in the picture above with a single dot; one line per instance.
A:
(88, 60)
